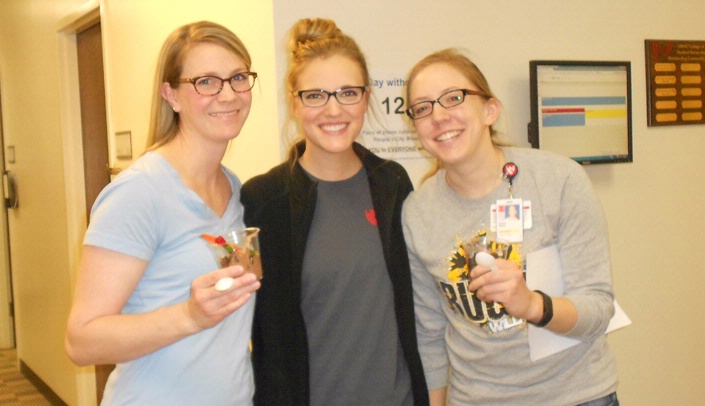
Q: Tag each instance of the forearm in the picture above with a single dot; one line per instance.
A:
(437, 397)
(124, 337)
(565, 315)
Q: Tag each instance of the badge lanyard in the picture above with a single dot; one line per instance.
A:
(512, 215)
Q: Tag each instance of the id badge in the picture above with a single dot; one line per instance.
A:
(510, 220)
(525, 214)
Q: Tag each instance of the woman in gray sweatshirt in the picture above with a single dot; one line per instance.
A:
(474, 322)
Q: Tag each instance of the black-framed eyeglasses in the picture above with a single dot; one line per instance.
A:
(344, 95)
(211, 85)
(447, 100)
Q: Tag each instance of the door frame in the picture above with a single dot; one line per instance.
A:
(7, 313)
(85, 16)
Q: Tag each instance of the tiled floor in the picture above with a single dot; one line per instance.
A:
(15, 390)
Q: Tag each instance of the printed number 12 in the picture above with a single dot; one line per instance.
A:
(399, 103)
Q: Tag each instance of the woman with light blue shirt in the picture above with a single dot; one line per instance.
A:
(145, 296)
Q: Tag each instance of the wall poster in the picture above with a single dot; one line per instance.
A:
(389, 133)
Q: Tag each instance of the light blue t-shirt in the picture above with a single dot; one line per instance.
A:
(148, 213)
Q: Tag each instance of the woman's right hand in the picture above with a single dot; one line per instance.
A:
(208, 306)
(505, 285)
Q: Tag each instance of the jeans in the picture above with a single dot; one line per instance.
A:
(609, 400)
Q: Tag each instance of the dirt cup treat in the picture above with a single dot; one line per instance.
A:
(239, 247)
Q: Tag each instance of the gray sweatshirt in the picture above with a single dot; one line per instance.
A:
(484, 354)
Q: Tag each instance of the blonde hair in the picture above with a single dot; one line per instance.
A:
(310, 39)
(455, 58)
(164, 122)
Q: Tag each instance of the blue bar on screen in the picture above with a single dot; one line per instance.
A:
(563, 120)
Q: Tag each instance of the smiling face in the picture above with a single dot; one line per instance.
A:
(459, 134)
(330, 129)
(219, 117)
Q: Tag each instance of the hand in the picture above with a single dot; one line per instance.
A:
(208, 306)
(505, 285)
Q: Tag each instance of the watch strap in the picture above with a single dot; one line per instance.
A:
(547, 310)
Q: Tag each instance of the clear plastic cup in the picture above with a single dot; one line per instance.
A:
(238, 247)
(486, 243)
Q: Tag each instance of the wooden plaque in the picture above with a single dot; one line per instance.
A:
(675, 82)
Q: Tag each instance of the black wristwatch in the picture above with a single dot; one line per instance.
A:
(547, 310)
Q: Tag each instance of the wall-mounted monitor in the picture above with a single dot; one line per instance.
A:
(582, 109)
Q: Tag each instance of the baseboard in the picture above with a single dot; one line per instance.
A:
(43, 388)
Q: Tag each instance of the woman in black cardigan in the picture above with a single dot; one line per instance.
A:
(334, 318)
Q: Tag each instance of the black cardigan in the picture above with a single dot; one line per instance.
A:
(281, 203)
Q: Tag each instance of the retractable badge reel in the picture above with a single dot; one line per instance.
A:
(509, 212)
(510, 170)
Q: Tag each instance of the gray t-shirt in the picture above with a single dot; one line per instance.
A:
(354, 352)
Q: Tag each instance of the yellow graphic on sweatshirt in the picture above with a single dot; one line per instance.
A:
(462, 258)
(464, 302)
(459, 269)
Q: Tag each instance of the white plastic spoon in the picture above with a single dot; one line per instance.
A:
(485, 259)
(224, 284)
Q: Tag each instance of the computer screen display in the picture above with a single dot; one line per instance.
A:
(582, 109)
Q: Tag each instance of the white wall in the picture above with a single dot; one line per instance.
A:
(31, 115)
(653, 205)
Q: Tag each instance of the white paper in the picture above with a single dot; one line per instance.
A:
(548, 277)
(619, 320)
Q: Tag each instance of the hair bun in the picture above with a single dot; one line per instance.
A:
(308, 30)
